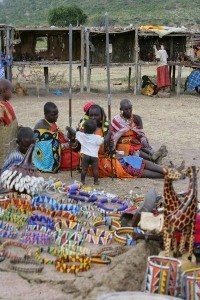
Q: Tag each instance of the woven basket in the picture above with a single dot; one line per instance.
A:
(8, 140)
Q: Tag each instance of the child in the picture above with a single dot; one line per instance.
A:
(8, 120)
(90, 144)
(25, 138)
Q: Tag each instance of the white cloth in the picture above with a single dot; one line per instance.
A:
(90, 143)
(163, 57)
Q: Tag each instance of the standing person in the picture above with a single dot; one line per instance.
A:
(129, 137)
(90, 144)
(8, 120)
(163, 78)
(52, 150)
(25, 137)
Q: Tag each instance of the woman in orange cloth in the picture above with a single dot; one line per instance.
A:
(8, 120)
(129, 137)
(121, 167)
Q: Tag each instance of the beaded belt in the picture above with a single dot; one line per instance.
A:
(111, 223)
(112, 251)
(127, 230)
(123, 206)
(73, 263)
(14, 243)
(37, 268)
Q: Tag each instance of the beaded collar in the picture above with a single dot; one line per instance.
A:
(122, 205)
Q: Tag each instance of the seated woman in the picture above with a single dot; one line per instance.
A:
(25, 137)
(110, 165)
(148, 87)
(52, 151)
(129, 137)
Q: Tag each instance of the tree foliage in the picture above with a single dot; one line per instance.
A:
(66, 15)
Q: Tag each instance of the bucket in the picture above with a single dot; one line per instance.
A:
(162, 275)
(134, 296)
(190, 284)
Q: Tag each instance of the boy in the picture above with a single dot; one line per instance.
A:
(90, 144)
(25, 138)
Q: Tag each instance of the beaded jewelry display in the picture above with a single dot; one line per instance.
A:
(73, 263)
(82, 196)
(16, 265)
(99, 259)
(37, 238)
(126, 230)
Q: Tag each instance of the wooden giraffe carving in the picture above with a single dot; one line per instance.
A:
(171, 199)
(183, 217)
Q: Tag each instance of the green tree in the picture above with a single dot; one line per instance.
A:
(66, 15)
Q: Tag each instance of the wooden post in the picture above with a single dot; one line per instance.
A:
(179, 80)
(8, 67)
(129, 78)
(82, 59)
(173, 78)
(139, 79)
(136, 61)
(46, 78)
(88, 60)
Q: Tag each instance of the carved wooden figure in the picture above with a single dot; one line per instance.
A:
(183, 217)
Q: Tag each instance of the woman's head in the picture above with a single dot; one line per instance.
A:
(25, 138)
(96, 113)
(126, 108)
(51, 112)
(6, 89)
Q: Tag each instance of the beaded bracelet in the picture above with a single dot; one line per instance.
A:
(111, 223)
(100, 259)
(65, 236)
(121, 208)
(41, 220)
(73, 263)
(97, 240)
(71, 249)
(15, 243)
(82, 196)
(112, 251)
(44, 260)
(69, 225)
(14, 265)
(8, 231)
(127, 230)
(37, 227)
(37, 238)
(57, 215)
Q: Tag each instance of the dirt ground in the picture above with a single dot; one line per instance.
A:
(172, 121)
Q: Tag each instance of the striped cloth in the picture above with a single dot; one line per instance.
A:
(14, 158)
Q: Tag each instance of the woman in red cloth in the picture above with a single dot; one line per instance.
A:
(163, 78)
(8, 121)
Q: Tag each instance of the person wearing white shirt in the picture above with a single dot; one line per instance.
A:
(90, 144)
(163, 78)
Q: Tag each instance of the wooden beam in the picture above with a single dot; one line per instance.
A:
(136, 61)
(179, 81)
(82, 59)
(129, 78)
(88, 60)
(46, 78)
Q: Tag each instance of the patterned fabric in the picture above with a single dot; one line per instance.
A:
(193, 80)
(2, 72)
(14, 158)
(46, 155)
(8, 113)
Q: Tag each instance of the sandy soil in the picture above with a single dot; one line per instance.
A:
(172, 121)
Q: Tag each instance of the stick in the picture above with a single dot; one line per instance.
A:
(70, 90)
(108, 78)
